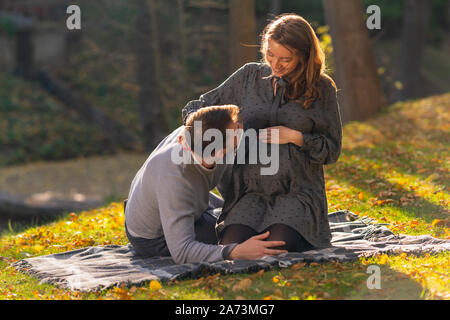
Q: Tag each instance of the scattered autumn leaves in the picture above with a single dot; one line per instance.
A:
(393, 168)
(97, 227)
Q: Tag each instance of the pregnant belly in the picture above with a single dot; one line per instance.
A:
(272, 177)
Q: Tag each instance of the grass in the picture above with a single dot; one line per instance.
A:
(393, 168)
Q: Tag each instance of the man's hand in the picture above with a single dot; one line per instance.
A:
(255, 248)
(285, 135)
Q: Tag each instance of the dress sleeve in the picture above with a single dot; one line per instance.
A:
(324, 142)
(227, 93)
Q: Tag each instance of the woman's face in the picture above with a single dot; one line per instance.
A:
(282, 60)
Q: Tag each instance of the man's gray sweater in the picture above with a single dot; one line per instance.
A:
(166, 198)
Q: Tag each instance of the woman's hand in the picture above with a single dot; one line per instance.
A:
(256, 247)
(285, 135)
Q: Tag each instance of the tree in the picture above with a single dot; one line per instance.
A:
(360, 94)
(147, 72)
(416, 17)
(275, 8)
(242, 33)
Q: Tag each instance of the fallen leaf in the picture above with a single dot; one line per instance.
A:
(358, 274)
(298, 277)
(403, 255)
(244, 284)
(155, 285)
(277, 293)
(439, 223)
(383, 259)
(298, 265)
(259, 274)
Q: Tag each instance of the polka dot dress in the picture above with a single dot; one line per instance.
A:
(295, 194)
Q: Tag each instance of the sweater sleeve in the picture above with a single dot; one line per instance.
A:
(226, 93)
(178, 218)
(324, 142)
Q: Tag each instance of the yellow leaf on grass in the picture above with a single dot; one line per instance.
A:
(383, 259)
(361, 196)
(413, 223)
(37, 248)
(439, 223)
(155, 285)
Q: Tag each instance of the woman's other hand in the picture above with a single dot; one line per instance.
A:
(285, 135)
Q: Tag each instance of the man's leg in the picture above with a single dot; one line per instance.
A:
(147, 247)
(205, 228)
(215, 201)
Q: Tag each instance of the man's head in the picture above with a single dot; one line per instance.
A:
(206, 131)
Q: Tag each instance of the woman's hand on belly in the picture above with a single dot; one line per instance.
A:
(285, 135)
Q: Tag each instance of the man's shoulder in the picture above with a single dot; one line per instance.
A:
(162, 157)
(162, 160)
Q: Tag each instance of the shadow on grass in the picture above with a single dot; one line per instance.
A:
(9, 226)
(394, 285)
(328, 281)
(408, 164)
(418, 208)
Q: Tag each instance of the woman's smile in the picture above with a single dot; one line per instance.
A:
(282, 60)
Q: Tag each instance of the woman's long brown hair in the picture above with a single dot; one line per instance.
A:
(296, 34)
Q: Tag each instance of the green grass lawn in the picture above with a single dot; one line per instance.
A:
(393, 168)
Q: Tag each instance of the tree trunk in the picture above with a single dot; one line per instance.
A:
(183, 45)
(416, 17)
(24, 53)
(147, 73)
(274, 8)
(182, 31)
(360, 94)
(242, 33)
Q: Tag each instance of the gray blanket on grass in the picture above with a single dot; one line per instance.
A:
(101, 267)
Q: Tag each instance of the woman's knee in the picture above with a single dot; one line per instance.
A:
(294, 242)
(236, 233)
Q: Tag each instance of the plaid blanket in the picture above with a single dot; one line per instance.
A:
(101, 267)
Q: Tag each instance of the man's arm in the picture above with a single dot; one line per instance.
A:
(176, 208)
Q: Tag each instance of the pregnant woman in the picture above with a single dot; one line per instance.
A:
(291, 93)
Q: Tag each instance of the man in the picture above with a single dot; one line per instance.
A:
(170, 209)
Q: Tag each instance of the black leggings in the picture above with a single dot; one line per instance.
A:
(278, 232)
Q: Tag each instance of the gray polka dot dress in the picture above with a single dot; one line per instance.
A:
(295, 195)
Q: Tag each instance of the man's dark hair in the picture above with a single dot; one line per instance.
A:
(213, 117)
